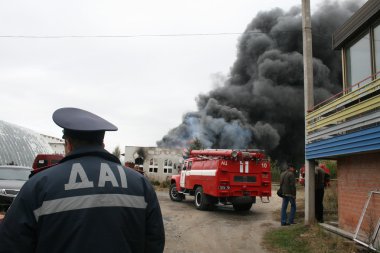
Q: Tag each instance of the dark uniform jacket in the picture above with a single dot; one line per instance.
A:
(86, 203)
(288, 183)
(319, 178)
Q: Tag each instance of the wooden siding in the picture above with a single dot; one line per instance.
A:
(357, 142)
(354, 111)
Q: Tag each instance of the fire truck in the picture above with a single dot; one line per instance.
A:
(45, 161)
(223, 177)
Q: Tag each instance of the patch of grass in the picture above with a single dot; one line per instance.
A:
(286, 239)
(301, 238)
(313, 238)
(326, 242)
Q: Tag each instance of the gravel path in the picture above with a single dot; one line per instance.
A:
(189, 230)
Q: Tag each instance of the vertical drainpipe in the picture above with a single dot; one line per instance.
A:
(309, 103)
(344, 71)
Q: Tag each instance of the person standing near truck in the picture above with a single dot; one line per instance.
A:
(288, 186)
(88, 202)
(320, 182)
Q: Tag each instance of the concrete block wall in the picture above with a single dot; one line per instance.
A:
(357, 176)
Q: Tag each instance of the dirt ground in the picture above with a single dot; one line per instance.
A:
(189, 230)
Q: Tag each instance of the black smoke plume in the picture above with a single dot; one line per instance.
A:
(141, 156)
(260, 104)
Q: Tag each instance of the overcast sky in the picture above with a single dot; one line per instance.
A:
(143, 84)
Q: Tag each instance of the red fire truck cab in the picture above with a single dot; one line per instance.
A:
(228, 177)
(45, 160)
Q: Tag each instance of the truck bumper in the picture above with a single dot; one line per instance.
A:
(243, 200)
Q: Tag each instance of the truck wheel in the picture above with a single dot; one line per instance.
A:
(201, 202)
(174, 194)
(242, 207)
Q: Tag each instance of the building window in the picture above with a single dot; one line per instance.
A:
(376, 35)
(153, 165)
(168, 166)
(359, 62)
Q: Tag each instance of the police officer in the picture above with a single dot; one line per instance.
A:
(88, 202)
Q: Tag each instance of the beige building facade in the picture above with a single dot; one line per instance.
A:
(158, 164)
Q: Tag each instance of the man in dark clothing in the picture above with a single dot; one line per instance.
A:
(88, 202)
(319, 191)
(288, 186)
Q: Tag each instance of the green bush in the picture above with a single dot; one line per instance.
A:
(155, 182)
(165, 184)
(275, 171)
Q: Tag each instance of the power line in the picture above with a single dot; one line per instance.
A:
(113, 36)
(139, 35)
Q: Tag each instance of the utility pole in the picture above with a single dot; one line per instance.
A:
(309, 103)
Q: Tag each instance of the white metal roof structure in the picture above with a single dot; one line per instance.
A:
(19, 145)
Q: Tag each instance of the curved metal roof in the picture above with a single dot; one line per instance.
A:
(20, 145)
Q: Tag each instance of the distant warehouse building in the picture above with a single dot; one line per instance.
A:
(157, 163)
(57, 144)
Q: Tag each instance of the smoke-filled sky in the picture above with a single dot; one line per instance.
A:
(143, 64)
(260, 104)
